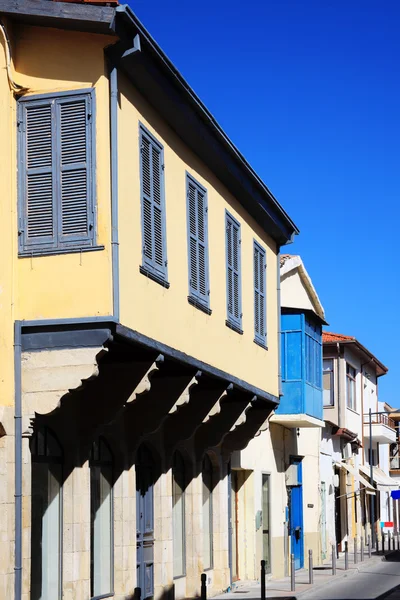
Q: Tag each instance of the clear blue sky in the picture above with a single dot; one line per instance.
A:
(309, 91)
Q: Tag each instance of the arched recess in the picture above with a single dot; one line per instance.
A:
(145, 467)
(101, 518)
(209, 477)
(46, 515)
(180, 479)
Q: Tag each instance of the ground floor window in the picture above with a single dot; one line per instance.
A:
(178, 513)
(266, 521)
(46, 516)
(101, 524)
(207, 497)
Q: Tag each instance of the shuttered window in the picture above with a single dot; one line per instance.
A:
(233, 273)
(260, 267)
(153, 211)
(56, 176)
(199, 292)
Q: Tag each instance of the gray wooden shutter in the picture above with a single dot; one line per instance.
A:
(36, 175)
(233, 268)
(197, 241)
(260, 327)
(153, 217)
(75, 216)
(55, 173)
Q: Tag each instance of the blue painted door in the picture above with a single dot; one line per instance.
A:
(145, 522)
(296, 518)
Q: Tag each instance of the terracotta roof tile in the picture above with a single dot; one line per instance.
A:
(98, 2)
(328, 336)
(285, 257)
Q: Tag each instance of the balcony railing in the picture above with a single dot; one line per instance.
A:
(395, 456)
(380, 419)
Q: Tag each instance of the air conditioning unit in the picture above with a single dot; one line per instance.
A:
(291, 475)
(336, 481)
(346, 451)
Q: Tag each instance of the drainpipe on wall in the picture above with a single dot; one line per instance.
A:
(17, 331)
(114, 187)
(338, 387)
(278, 288)
(18, 462)
(362, 405)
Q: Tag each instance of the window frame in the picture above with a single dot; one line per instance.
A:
(159, 275)
(99, 463)
(231, 321)
(210, 471)
(313, 353)
(331, 372)
(40, 458)
(349, 378)
(195, 297)
(260, 339)
(86, 243)
(176, 454)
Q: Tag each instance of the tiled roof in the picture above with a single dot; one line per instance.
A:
(285, 257)
(328, 336)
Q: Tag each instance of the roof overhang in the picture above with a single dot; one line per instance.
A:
(293, 263)
(346, 434)
(296, 421)
(353, 471)
(362, 351)
(154, 75)
(62, 15)
(383, 482)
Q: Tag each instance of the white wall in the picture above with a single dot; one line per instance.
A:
(330, 453)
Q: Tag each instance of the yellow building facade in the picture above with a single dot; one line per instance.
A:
(139, 312)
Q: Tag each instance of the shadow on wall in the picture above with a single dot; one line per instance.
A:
(284, 445)
(167, 594)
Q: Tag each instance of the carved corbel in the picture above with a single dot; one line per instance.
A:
(39, 399)
(3, 431)
(216, 409)
(144, 384)
(241, 419)
(264, 426)
(184, 398)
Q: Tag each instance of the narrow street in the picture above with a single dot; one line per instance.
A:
(382, 580)
(375, 579)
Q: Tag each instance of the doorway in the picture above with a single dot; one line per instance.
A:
(295, 493)
(323, 520)
(266, 553)
(145, 470)
(233, 524)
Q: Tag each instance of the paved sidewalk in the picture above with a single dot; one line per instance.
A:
(280, 588)
(394, 595)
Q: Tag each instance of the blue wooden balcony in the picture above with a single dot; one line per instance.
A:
(301, 346)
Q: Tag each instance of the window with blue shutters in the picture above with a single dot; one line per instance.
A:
(233, 274)
(154, 253)
(313, 353)
(260, 315)
(56, 173)
(199, 293)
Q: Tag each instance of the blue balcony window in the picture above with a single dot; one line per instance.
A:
(301, 365)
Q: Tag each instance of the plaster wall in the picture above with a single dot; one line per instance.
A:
(294, 293)
(46, 378)
(50, 60)
(270, 453)
(330, 452)
(165, 314)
